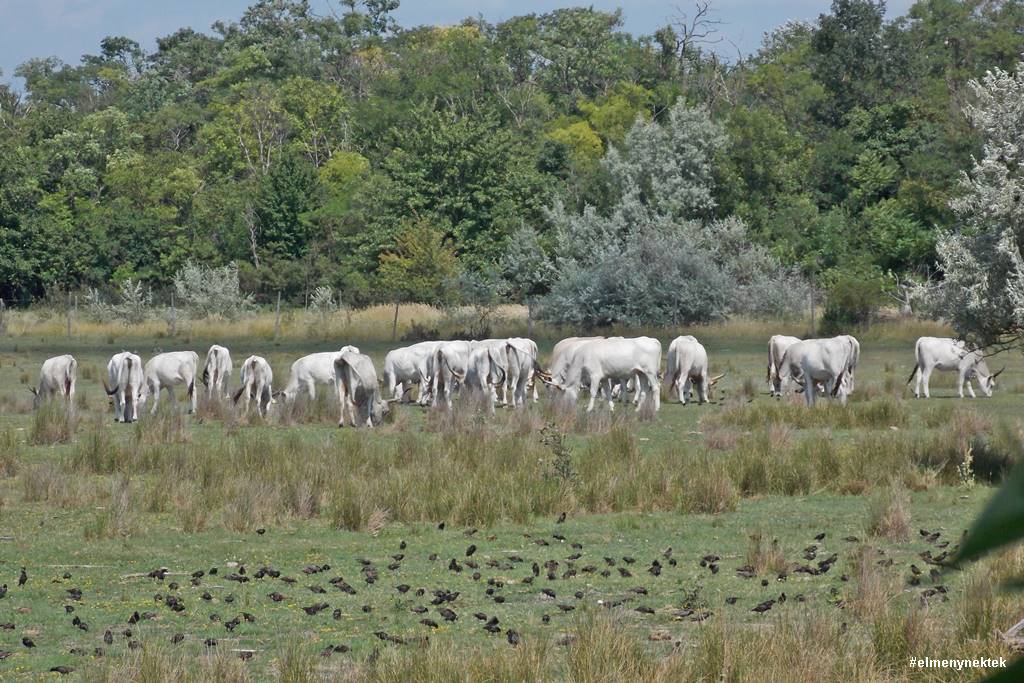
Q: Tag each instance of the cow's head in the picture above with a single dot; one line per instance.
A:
(986, 378)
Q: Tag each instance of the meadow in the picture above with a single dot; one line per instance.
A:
(747, 539)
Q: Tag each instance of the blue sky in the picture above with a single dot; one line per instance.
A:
(70, 28)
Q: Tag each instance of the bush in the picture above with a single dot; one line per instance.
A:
(853, 298)
(211, 292)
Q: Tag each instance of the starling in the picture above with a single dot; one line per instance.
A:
(210, 642)
(499, 599)
(470, 550)
(628, 560)
(7, 626)
(315, 608)
(429, 622)
(232, 624)
(513, 636)
(22, 578)
(245, 655)
(134, 645)
(261, 531)
(566, 608)
(108, 637)
(206, 596)
(27, 642)
(276, 597)
(624, 573)
(548, 592)
(336, 614)
(62, 670)
(764, 606)
(644, 610)
(730, 601)
(418, 610)
(820, 537)
(367, 609)
(4, 654)
(317, 589)
(440, 527)
(3, 590)
(403, 588)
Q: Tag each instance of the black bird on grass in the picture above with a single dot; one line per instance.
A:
(429, 622)
(336, 614)
(730, 601)
(419, 609)
(7, 626)
(108, 637)
(210, 642)
(3, 590)
(470, 550)
(820, 537)
(276, 597)
(27, 642)
(232, 624)
(4, 654)
(62, 670)
(764, 606)
(624, 573)
(548, 592)
(177, 638)
(22, 578)
(513, 637)
(315, 608)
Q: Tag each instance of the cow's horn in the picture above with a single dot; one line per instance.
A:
(35, 392)
(715, 379)
(999, 373)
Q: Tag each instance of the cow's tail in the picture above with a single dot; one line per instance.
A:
(238, 394)
(69, 376)
(191, 389)
(912, 373)
(838, 384)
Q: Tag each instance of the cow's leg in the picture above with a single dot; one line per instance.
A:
(702, 389)
(118, 406)
(154, 391)
(970, 388)
(926, 377)
(595, 389)
(917, 383)
(809, 390)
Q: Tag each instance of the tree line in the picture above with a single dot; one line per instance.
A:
(552, 159)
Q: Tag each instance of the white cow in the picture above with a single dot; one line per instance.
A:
(829, 362)
(308, 371)
(688, 366)
(945, 354)
(358, 392)
(486, 370)
(166, 371)
(561, 356)
(406, 366)
(777, 347)
(618, 360)
(448, 368)
(522, 365)
(124, 374)
(257, 379)
(216, 371)
(56, 378)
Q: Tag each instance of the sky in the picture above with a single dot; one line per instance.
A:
(68, 29)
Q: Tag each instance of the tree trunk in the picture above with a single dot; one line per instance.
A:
(394, 324)
(277, 317)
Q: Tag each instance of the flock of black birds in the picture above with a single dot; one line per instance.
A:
(545, 581)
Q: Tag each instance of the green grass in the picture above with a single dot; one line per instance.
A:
(108, 503)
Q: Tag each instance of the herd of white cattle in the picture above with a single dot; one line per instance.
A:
(502, 371)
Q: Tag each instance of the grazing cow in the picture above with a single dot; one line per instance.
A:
(308, 371)
(561, 356)
(486, 370)
(688, 366)
(216, 371)
(777, 347)
(448, 370)
(945, 354)
(618, 360)
(56, 378)
(829, 362)
(358, 392)
(124, 372)
(522, 365)
(257, 379)
(167, 370)
(407, 366)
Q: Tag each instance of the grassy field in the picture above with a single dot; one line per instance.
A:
(463, 511)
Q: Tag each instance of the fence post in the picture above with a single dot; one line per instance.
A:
(67, 309)
(277, 317)
(394, 323)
